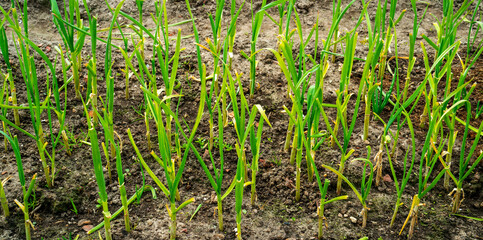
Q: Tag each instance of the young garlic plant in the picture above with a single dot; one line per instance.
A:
(216, 179)
(98, 170)
(322, 188)
(72, 42)
(3, 198)
(27, 190)
(120, 174)
(296, 80)
(366, 183)
(431, 152)
(382, 37)
(36, 106)
(3, 107)
(467, 65)
(400, 187)
(403, 96)
(342, 103)
(9, 76)
(243, 128)
(221, 48)
(465, 166)
(160, 107)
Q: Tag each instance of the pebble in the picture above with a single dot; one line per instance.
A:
(149, 222)
(87, 228)
(83, 222)
(353, 219)
(346, 215)
(387, 178)
(340, 215)
(218, 237)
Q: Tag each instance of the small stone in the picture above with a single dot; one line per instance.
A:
(387, 178)
(83, 222)
(87, 228)
(353, 219)
(340, 215)
(149, 222)
(346, 215)
(218, 237)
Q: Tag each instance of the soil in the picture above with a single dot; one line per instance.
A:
(276, 214)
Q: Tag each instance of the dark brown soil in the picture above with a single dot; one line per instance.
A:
(276, 215)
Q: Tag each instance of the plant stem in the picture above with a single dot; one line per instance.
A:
(293, 153)
(27, 221)
(107, 220)
(367, 114)
(289, 132)
(66, 142)
(127, 81)
(310, 170)
(5, 141)
(148, 134)
(364, 217)
(297, 180)
(336, 130)
(321, 220)
(396, 209)
(341, 170)
(108, 161)
(414, 216)
(394, 146)
(3, 199)
(95, 119)
(254, 181)
(125, 206)
(13, 91)
(238, 231)
(172, 228)
(220, 213)
(75, 72)
(168, 127)
(212, 134)
(457, 200)
(224, 110)
(424, 117)
(335, 45)
(451, 142)
(41, 147)
(245, 168)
